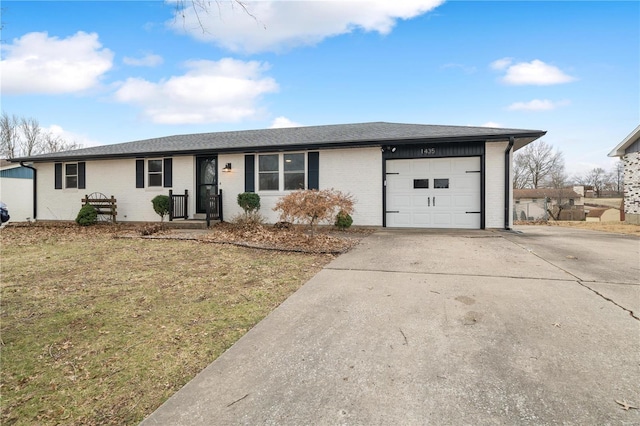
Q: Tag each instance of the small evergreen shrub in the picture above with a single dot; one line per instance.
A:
(161, 205)
(343, 220)
(87, 215)
(250, 202)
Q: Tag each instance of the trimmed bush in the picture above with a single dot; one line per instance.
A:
(343, 220)
(249, 201)
(87, 215)
(161, 205)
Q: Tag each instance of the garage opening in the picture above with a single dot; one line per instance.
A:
(433, 193)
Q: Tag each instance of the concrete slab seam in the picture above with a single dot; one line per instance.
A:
(578, 279)
(633, 315)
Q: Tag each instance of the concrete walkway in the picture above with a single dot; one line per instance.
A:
(444, 328)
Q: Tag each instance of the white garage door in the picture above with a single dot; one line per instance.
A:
(433, 193)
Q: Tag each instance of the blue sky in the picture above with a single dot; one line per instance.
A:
(107, 72)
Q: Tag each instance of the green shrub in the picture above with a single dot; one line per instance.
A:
(249, 201)
(87, 215)
(343, 220)
(161, 205)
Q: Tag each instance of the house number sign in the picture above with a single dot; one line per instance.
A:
(428, 151)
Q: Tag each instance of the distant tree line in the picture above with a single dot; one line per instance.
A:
(23, 137)
(539, 165)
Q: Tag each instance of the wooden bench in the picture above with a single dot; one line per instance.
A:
(104, 206)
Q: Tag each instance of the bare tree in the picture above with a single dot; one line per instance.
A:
(201, 7)
(54, 143)
(9, 129)
(23, 137)
(535, 164)
(617, 176)
(596, 178)
(31, 136)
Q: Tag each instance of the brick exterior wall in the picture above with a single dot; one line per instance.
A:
(632, 187)
(494, 185)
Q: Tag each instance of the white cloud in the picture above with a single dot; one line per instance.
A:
(148, 60)
(281, 122)
(535, 72)
(211, 91)
(537, 105)
(69, 136)
(501, 64)
(280, 25)
(492, 124)
(37, 63)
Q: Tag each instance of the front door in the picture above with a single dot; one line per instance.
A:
(206, 178)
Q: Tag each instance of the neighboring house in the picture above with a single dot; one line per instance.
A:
(603, 215)
(629, 151)
(540, 203)
(402, 175)
(16, 190)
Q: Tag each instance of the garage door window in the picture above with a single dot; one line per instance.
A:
(441, 183)
(421, 183)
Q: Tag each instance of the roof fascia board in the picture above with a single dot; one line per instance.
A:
(528, 137)
(619, 150)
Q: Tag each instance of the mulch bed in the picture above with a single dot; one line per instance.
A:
(294, 238)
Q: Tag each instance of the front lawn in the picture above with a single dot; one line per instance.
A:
(102, 330)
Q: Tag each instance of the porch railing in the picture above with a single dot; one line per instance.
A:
(178, 205)
(213, 206)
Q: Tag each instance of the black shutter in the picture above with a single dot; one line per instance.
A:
(249, 173)
(57, 176)
(168, 172)
(139, 173)
(82, 184)
(313, 167)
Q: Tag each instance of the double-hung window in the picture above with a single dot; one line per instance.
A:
(71, 175)
(293, 172)
(269, 172)
(155, 172)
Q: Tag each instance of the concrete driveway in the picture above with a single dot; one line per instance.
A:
(444, 328)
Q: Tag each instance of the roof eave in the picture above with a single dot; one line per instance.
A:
(619, 150)
(522, 139)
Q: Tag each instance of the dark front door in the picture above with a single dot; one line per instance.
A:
(206, 178)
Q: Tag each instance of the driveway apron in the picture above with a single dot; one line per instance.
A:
(443, 328)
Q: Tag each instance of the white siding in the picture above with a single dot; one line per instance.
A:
(232, 183)
(356, 171)
(111, 177)
(17, 194)
(494, 185)
(359, 172)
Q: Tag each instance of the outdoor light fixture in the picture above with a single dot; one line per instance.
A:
(227, 167)
(388, 148)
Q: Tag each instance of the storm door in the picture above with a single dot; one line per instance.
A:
(206, 178)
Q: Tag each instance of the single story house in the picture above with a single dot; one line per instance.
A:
(402, 175)
(16, 190)
(535, 204)
(629, 151)
(603, 215)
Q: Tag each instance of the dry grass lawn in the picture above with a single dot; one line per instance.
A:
(102, 330)
(615, 227)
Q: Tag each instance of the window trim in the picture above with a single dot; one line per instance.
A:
(155, 173)
(68, 175)
(281, 172)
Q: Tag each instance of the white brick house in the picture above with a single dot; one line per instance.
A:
(402, 175)
(629, 151)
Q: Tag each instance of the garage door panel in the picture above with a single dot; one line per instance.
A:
(415, 205)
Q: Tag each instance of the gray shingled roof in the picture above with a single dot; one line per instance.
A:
(311, 137)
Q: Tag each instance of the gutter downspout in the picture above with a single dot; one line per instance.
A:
(507, 186)
(35, 189)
